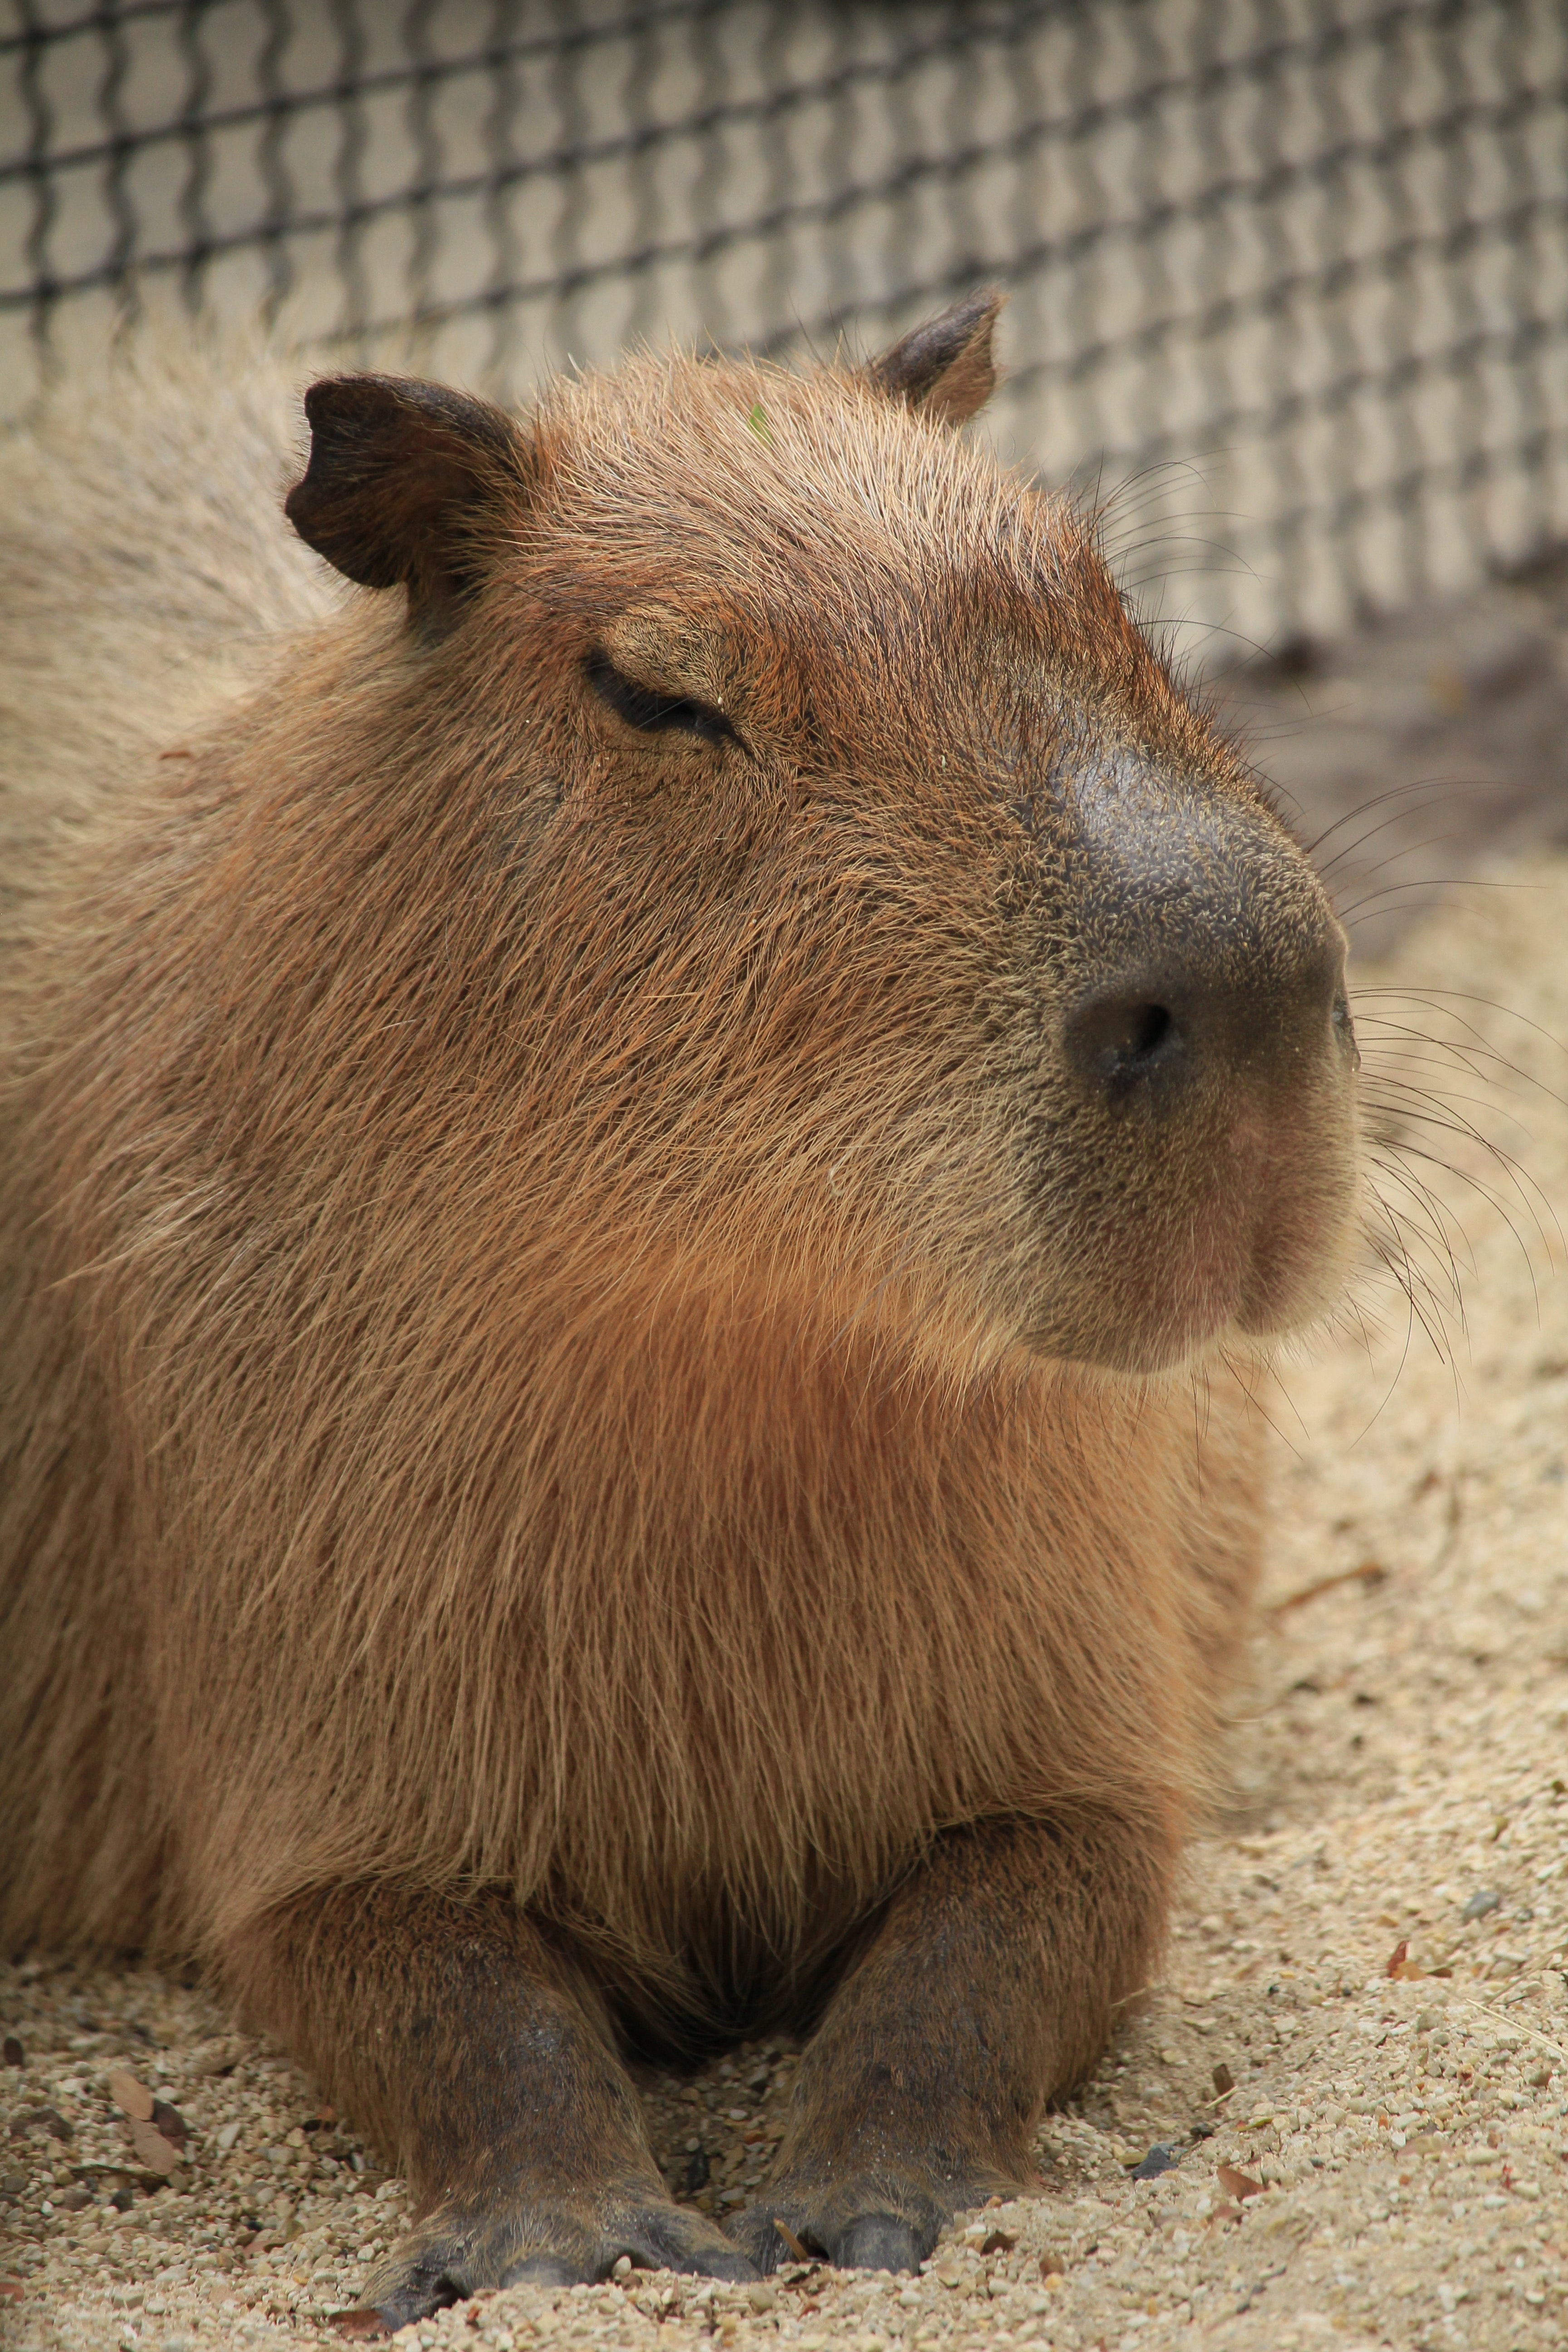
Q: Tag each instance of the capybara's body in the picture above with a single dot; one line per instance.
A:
(635, 1173)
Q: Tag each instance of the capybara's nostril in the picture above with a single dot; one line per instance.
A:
(1143, 1033)
(1120, 1037)
(1147, 1034)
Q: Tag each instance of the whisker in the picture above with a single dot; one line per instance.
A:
(1494, 1201)
(1430, 1224)
(1428, 882)
(1419, 807)
(1382, 800)
(1444, 996)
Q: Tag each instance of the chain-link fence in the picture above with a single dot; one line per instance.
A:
(1297, 270)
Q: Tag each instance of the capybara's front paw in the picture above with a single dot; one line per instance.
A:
(874, 2221)
(552, 2243)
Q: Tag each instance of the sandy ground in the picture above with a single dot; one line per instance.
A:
(1373, 1949)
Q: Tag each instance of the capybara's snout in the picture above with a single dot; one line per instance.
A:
(1200, 1165)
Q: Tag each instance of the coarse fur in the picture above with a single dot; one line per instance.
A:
(570, 1335)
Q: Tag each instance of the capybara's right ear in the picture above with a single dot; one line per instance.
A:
(946, 368)
(402, 479)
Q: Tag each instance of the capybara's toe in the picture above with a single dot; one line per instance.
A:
(673, 2238)
(544, 2270)
(852, 2227)
(546, 2242)
(881, 2241)
(424, 2278)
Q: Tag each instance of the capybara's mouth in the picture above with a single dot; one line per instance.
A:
(1245, 1237)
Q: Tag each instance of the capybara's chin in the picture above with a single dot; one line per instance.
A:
(1248, 1261)
(617, 1060)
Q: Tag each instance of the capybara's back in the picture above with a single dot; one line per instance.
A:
(637, 1167)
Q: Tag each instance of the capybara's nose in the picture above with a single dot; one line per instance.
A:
(1213, 956)
(1254, 1009)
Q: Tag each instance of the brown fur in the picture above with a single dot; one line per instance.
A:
(570, 1348)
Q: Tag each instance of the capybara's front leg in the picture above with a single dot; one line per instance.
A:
(988, 1988)
(467, 2044)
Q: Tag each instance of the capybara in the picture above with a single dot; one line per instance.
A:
(645, 1166)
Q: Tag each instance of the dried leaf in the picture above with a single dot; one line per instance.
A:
(133, 2098)
(791, 2241)
(1239, 2185)
(10, 2290)
(1224, 2081)
(14, 2056)
(1225, 2213)
(1052, 2266)
(1397, 1958)
(999, 2242)
(156, 2153)
(360, 2324)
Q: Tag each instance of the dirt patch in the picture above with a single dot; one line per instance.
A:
(1341, 2118)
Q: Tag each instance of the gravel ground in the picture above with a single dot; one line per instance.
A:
(1355, 2061)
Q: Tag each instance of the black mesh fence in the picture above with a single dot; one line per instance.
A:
(1296, 271)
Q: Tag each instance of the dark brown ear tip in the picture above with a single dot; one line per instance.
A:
(945, 367)
(330, 395)
(986, 302)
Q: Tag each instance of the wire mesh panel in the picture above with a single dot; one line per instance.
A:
(1296, 269)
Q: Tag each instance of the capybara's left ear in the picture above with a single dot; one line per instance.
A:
(403, 479)
(945, 369)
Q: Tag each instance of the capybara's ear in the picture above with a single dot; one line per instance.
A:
(402, 479)
(945, 369)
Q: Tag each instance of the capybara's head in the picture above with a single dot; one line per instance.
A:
(885, 937)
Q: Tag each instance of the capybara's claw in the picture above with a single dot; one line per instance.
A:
(545, 2245)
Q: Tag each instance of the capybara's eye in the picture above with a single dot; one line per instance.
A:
(653, 713)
